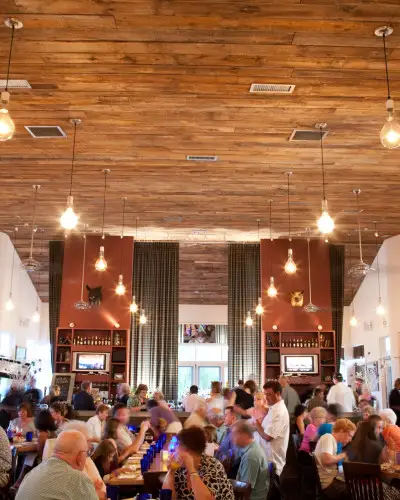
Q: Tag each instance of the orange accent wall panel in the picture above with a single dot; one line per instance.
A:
(278, 310)
(114, 308)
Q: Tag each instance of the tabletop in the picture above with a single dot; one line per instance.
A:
(135, 478)
(390, 472)
(25, 446)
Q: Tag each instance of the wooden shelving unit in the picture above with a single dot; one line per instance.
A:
(114, 342)
(321, 343)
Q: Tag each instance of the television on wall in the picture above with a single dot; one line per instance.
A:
(91, 362)
(300, 363)
(199, 334)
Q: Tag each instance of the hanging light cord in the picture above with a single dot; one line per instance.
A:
(136, 227)
(104, 201)
(386, 64)
(122, 233)
(377, 261)
(359, 228)
(9, 56)
(270, 233)
(39, 273)
(73, 160)
(33, 221)
(351, 277)
(309, 267)
(84, 260)
(322, 165)
(258, 229)
(288, 202)
(13, 259)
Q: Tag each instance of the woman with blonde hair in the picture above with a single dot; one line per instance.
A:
(215, 403)
(317, 417)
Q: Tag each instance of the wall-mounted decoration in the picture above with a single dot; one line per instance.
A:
(20, 353)
(199, 334)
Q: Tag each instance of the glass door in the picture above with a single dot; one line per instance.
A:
(185, 380)
(206, 375)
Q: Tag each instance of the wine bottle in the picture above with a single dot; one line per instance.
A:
(301, 343)
(95, 340)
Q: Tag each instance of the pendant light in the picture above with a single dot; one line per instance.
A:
(325, 222)
(69, 219)
(30, 264)
(390, 133)
(36, 314)
(272, 291)
(380, 310)
(82, 304)
(290, 266)
(120, 288)
(7, 126)
(133, 307)
(259, 308)
(101, 263)
(310, 307)
(353, 320)
(142, 319)
(249, 319)
(361, 268)
(10, 306)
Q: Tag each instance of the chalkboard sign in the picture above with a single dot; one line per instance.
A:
(66, 382)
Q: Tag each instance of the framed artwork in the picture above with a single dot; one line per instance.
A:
(20, 354)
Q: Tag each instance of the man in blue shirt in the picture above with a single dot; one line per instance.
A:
(228, 452)
(218, 420)
(253, 467)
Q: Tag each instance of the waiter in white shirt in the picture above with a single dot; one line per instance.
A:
(274, 428)
(341, 394)
(193, 399)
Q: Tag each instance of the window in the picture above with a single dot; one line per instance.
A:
(185, 380)
(206, 375)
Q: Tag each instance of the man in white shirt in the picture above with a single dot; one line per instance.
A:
(341, 394)
(95, 425)
(274, 429)
(191, 401)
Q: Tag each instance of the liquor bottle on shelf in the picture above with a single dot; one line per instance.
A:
(301, 343)
(283, 343)
(95, 340)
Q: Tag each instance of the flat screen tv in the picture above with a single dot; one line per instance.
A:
(91, 362)
(299, 363)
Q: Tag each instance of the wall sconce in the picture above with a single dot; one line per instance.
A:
(274, 327)
(319, 327)
(116, 325)
(71, 325)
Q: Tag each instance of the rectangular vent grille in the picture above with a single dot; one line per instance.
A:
(271, 88)
(307, 135)
(45, 132)
(201, 158)
(176, 218)
(15, 84)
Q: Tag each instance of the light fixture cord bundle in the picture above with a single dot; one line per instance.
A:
(386, 64)
(13, 258)
(359, 227)
(33, 221)
(288, 202)
(9, 56)
(377, 261)
(322, 165)
(122, 232)
(104, 201)
(73, 160)
(270, 234)
(39, 273)
(309, 267)
(84, 260)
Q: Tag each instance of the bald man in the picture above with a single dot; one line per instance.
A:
(61, 477)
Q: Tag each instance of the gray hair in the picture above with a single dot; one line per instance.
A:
(77, 425)
(125, 388)
(243, 427)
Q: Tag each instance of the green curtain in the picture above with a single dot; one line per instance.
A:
(154, 346)
(337, 270)
(244, 289)
(56, 260)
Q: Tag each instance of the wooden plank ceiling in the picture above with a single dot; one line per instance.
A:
(155, 80)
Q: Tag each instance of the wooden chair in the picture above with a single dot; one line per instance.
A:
(241, 490)
(363, 481)
(153, 482)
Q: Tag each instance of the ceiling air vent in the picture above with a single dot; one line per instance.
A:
(173, 218)
(45, 131)
(201, 158)
(307, 135)
(15, 84)
(271, 88)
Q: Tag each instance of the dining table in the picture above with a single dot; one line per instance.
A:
(24, 446)
(391, 474)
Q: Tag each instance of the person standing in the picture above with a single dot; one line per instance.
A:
(289, 395)
(95, 425)
(191, 401)
(274, 429)
(138, 401)
(123, 392)
(253, 468)
(83, 400)
(317, 401)
(243, 399)
(394, 400)
(341, 394)
(61, 477)
(33, 395)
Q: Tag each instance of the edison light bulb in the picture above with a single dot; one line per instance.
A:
(133, 307)
(325, 222)
(390, 133)
(259, 308)
(7, 127)
(69, 219)
(353, 321)
(142, 319)
(290, 266)
(101, 263)
(36, 316)
(380, 310)
(10, 304)
(249, 319)
(120, 288)
(272, 291)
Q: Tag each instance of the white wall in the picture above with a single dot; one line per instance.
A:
(371, 328)
(211, 315)
(17, 327)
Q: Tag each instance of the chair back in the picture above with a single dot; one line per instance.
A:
(315, 474)
(364, 481)
(153, 482)
(241, 490)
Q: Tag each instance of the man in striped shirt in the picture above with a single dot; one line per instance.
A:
(61, 477)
